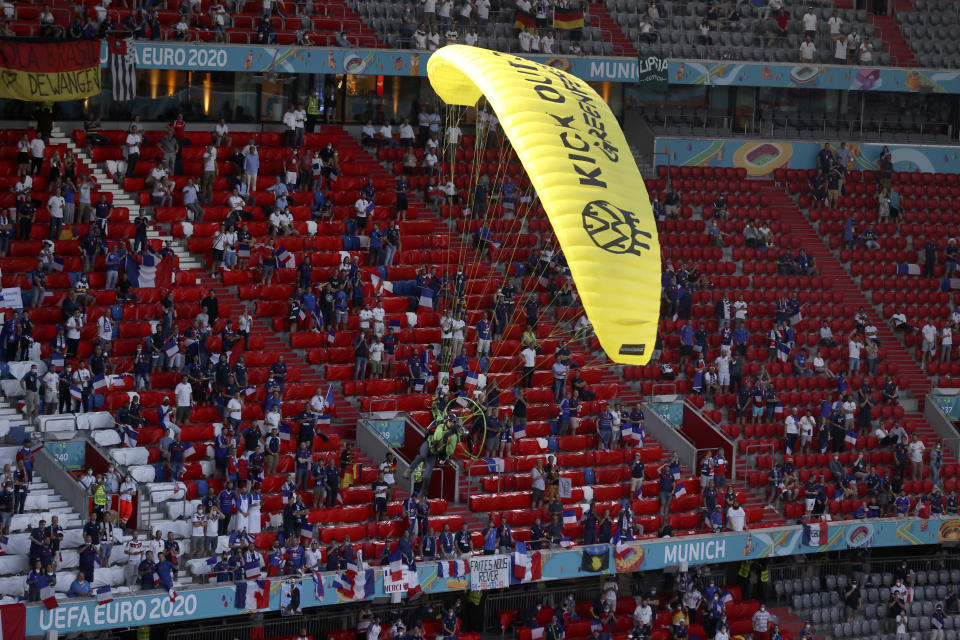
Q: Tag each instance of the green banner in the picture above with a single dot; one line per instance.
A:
(652, 70)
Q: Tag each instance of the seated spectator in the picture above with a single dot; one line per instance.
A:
(734, 21)
(80, 587)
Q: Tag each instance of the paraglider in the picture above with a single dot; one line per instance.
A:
(581, 167)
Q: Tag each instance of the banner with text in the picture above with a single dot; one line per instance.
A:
(49, 71)
(653, 72)
(489, 572)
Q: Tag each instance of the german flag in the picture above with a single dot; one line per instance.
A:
(567, 18)
(524, 21)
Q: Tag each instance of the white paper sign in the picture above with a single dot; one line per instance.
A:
(489, 572)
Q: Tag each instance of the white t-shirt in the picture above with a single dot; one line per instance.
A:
(835, 22)
(807, 50)
(854, 347)
(210, 159)
(183, 392)
(849, 408)
(198, 524)
(546, 44)
(55, 206)
(736, 518)
(212, 526)
(809, 21)
(376, 352)
(529, 357)
(36, 147)
(916, 451)
(525, 40)
(790, 425)
(74, 324)
(929, 333)
(134, 551)
(946, 335)
(235, 408)
(483, 9)
(840, 49)
(222, 129)
(133, 143)
(723, 365)
(366, 315)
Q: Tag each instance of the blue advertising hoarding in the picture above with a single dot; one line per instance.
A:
(762, 157)
(404, 62)
(218, 601)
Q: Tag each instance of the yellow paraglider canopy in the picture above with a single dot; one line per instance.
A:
(579, 162)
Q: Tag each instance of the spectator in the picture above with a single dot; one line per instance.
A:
(79, 588)
(807, 49)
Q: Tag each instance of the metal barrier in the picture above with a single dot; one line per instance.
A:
(58, 478)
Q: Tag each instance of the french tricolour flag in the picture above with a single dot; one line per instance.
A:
(306, 531)
(4, 542)
(679, 490)
(453, 568)
(249, 390)
(189, 451)
(57, 359)
(907, 269)
(76, 392)
(569, 516)
(494, 465)
(426, 298)
(252, 594)
(471, 381)
(851, 438)
(284, 430)
(47, 594)
(526, 568)
(130, 436)
(783, 351)
(171, 348)
(251, 569)
(566, 542)
(519, 431)
(286, 258)
(142, 275)
(396, 566)
(99, 382)
(104, 595)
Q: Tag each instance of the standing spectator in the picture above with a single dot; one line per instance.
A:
(761, 623)
(852, 599)
(915, 449)
(929, 258)
(929, 346)
(132, 146)
(807, 49)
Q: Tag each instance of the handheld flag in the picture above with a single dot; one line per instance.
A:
(104, 595)
(99, 382)
(251, 569)
(47, 594)
(569, 516)
(171, 348)
(57, 359)
(130, 436)
(76, 392)
(426, 298)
